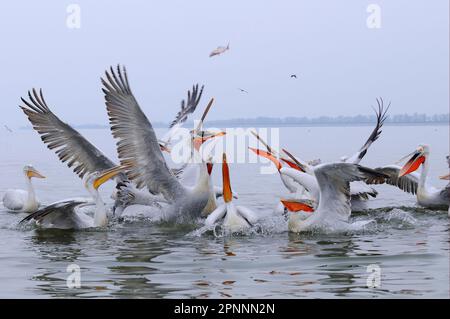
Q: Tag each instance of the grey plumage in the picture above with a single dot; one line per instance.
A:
(70, 146)
(189, 106)
(137, 144)
(408, 183)
(381, 115)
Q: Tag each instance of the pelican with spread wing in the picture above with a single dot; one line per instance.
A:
(70, 213)
(333, 210)
(297, 171)
(139, 150)
(405, 178)
(81, 155)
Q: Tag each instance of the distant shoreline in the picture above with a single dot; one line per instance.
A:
(234, 124)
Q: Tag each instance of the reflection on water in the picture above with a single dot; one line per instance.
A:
(134, 259)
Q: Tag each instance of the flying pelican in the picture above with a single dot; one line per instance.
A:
(21, 200)
(427, 196)
(219, 50)
(235, 218)
(69, 214)
(138, 149)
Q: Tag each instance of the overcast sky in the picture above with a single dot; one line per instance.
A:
(341, 64)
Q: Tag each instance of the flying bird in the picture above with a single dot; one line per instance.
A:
(294, 76)
(242, 90)
(219, 50)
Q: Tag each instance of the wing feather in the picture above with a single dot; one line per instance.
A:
(381, 117)
(137, 144)
(70, 146)
(408, 183)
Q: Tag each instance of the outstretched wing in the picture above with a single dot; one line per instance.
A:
(381, 117)
(137, 145)
(334, 184)
(408, 183)
(189, 106)
(70, 146)
(62, 211)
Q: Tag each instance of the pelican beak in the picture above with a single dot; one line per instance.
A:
(199, 140)
(414, 162)
(298, 165)
(446, 177)
(268, 156)
(34, 173)
(292, 164)
(294, 206)
(227, 193)
(209, 167)
(164, 148)
(107, 175)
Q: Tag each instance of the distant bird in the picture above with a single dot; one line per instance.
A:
(294, 76)
(219, 50)
(242, 90)
(8, 129)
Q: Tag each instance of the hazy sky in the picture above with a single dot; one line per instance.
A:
(342, 65)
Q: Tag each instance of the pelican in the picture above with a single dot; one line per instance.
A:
(219, 50)
(138, 149)
(69, 214)
(21, 200)
(427, 195)
(235, 218)
(302, 173)
(135, 199)
(75, 150)
(333, 210)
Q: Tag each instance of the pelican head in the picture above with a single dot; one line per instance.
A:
(93, 181)
(200, 137)
(30, 172)
(417, 157)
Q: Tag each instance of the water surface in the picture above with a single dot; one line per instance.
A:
(135, 259)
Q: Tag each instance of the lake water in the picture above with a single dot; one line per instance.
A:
(136, 259)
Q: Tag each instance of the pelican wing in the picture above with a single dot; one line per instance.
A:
(137, 145)
(61, 213)
(334, 183)
(189, 106)
(70, 146)
(361, 191)
(381, 117)
(304, 179)
(408, 183)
